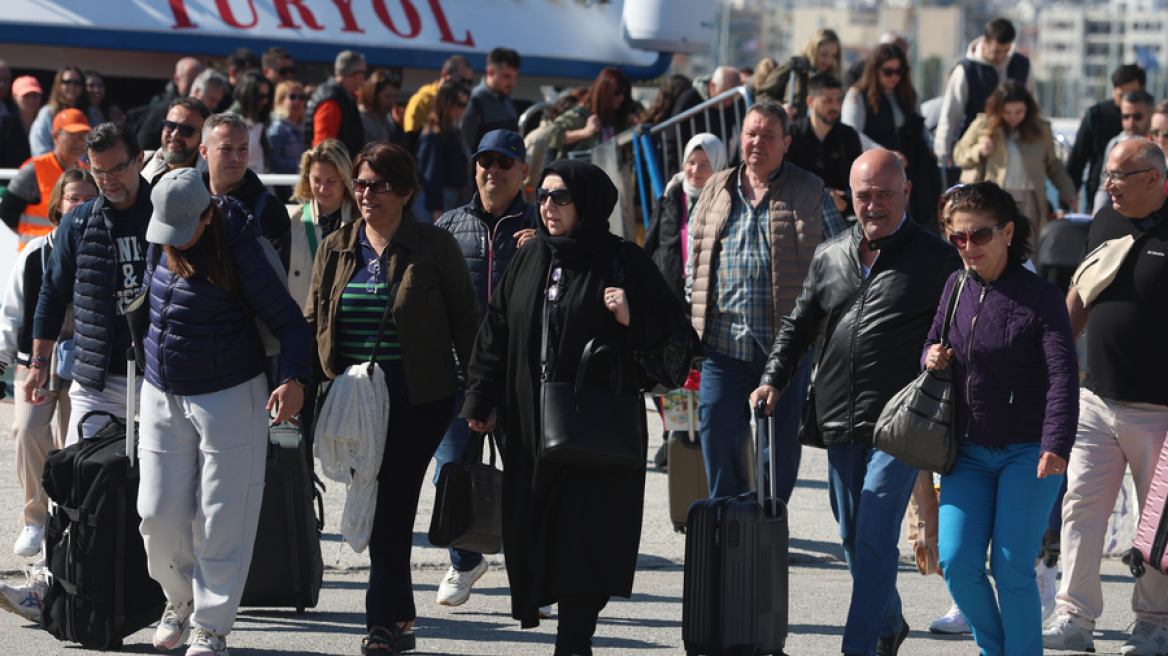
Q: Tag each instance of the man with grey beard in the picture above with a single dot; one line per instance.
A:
(182, 132)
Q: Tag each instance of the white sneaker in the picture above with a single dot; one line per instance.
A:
(1063, 633)
(29, 542)
(174, 626)
(205, 643)
(951, 623)
(455, 588)
(1047, 578)
(1147, 640)
(26, 600)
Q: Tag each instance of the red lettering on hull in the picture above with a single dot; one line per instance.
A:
(228, 15)
(346, 9)
(181, 20)
(444, 26)
(412, 17)
(283, 10)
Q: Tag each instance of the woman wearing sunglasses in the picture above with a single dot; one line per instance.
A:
(1016, 384)
(432, 316)
(443, 154)
(284, 134)
(68, 92)
(1012, 147)
(883, 108)
(571, 534)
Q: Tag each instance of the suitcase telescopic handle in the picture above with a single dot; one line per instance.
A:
(767, 421)
(131, 403)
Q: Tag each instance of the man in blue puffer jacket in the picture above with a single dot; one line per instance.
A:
(98, 266)
(490, 229)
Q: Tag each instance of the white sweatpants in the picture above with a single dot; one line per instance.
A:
(111, 400)
(202, 464)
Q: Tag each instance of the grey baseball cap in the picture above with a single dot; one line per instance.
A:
(179, 199)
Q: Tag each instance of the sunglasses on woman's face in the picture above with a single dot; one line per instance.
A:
(560, 197)
(979, 237)
(891, 72)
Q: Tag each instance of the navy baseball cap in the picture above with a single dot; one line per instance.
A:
(504, 142)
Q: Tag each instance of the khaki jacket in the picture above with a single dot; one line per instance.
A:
(435, 308)
(1038, 157)
(796, 228)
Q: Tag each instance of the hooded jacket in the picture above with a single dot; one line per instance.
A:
(1015, 365)
(589, 518)
(874, 348)
(963, 101)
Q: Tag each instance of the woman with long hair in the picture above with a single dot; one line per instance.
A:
(1011, 146)
(607, 110)
(822, 53)
(206, 403)
(68, 92)
(443, 154)
(327, 202)
(106, 109)
(432, 317)
(572, 532)
(1016, 392)
(662, 107)
(883, 108)
(284, 134)
(375, 99)
(253, 93)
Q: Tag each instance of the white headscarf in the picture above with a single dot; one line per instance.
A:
(714, 150)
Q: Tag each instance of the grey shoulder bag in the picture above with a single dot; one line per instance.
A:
(916, 425)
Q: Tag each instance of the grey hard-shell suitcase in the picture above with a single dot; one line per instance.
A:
(735, 598)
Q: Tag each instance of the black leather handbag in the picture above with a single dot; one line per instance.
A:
(468, 501)
(589, 426)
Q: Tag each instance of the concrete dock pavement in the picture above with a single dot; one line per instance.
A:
(649, 623)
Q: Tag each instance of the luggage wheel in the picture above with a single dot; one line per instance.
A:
(1135, 561)
(679, 527)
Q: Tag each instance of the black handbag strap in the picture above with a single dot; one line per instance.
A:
(398, 273)
(475, 444)
(951, 309)
(544, 347)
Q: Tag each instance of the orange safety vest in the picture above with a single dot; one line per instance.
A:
(34, 221)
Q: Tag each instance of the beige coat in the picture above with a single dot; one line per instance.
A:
(796, 228)
(1038, 156)
(300, 254)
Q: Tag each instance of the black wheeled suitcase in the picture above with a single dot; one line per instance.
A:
(287, 567)
(100, 590)
(735, 598)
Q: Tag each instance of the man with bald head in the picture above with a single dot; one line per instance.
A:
(874, 291)
(147, 121)
(1123, 404)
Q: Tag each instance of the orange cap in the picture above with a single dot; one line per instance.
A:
(70, 120)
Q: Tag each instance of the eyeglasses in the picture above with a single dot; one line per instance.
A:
(1116, 176)
(979, 237)
(73, 83)
(287, 71)
(487, 161)
(554, 291)
(1138, 116)
(360, 72)
(891, 72)
(115, 171)
(374, 268)
(184, 130)
(560, 197)
(296, 97)
(371, 186)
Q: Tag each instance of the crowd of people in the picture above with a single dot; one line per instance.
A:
(470, 260)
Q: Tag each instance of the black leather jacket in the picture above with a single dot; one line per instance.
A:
(875, 348)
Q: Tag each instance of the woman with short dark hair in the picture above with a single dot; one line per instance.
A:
(1016, 377)
(433, 316)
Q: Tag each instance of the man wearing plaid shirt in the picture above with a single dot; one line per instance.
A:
(754, 232)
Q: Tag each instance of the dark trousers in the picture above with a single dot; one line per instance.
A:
(577, 622)
(414, 434)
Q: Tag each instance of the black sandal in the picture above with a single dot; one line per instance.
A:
(403, 640)
(379, 641)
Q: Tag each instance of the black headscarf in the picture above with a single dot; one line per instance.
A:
(595, 197)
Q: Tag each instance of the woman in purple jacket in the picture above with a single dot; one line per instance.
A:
(1016, 373)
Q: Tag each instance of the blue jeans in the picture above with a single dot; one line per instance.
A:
(448, 451)
(869, 493)
(993, 500)
(724, 401)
